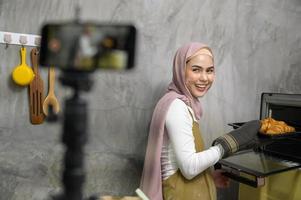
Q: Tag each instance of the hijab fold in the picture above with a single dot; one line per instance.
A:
(151, 182)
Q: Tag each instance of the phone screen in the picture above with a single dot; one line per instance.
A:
(88, 46)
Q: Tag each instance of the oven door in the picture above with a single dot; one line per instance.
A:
(251, 167)
(272, 157)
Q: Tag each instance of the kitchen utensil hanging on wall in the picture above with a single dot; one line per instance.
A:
(51, 99)
(22, 74)
(36, 92)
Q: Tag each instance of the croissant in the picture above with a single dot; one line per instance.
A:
(272, 126)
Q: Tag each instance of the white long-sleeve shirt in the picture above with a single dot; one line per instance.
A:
(178, 151)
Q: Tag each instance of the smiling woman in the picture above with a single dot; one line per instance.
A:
(177, 166)
(176, 163)
(199, 73)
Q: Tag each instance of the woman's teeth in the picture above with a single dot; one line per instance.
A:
(201, 86)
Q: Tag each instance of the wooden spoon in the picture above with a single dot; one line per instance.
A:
(51, 99)
(36, 92)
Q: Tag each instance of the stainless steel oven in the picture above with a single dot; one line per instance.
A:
(274, 154)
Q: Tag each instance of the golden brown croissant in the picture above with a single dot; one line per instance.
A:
(272, 126)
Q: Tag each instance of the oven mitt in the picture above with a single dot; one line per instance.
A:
(239, 139)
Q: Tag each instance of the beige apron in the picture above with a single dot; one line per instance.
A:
(201, 187)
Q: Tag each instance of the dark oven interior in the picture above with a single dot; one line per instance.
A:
(290, 114)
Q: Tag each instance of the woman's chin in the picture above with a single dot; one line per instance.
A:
(200, 94)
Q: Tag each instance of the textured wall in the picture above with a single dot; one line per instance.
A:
(257, 46)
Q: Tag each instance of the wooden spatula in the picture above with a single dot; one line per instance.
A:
(51, 99)
(36, 92)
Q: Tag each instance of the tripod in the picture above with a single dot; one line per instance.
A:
(75, 135)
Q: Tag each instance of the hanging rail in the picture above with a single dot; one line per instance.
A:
(21, 39)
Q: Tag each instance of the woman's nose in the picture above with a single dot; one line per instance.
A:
(203, 76)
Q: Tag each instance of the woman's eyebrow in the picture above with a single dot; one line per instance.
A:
(199, 66)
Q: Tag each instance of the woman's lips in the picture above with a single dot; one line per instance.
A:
(201, 88)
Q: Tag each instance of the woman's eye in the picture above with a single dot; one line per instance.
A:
(210, 71)
(195, 69)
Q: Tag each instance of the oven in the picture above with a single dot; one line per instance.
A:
(271, 171)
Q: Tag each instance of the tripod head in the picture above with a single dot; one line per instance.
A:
(78, 81)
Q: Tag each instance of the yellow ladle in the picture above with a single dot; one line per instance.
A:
(23, 74)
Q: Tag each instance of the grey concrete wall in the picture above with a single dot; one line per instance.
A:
(257, 46)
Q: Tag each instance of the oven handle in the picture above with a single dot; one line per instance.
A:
(258, 182)
(234, 174)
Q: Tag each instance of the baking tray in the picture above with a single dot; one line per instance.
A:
(280, 135)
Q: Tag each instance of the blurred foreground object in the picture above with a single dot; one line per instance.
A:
(78, 49)
(88, 46)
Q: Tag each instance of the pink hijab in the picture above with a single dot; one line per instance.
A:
(151, 183)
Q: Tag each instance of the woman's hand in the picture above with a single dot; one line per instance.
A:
(220, 180)
(245, 137)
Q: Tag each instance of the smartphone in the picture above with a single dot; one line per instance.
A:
(88, 46)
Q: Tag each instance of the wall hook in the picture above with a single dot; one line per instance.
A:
(7, 39)
(23, 39)
(37, 41)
